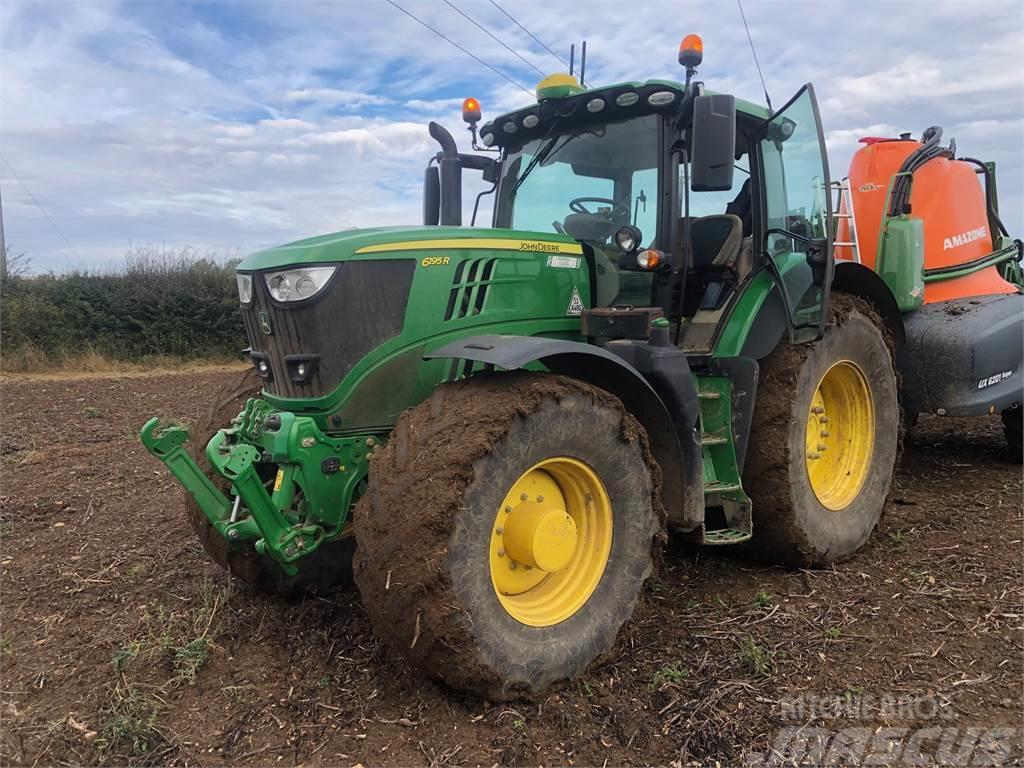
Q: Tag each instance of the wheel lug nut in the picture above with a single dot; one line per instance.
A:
(540, 499)
(523, 497)
(499, 531)
(825, 433)
(512, 566)
(823, 420)
(813, 456)
(507, 510)
(501, 553)
(817, 409)
(821, 446)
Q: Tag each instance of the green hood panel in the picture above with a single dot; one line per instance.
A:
(373, 243)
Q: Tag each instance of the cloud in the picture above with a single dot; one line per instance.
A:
(335, 97)
(239, 126)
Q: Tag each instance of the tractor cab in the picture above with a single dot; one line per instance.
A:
(678, 196)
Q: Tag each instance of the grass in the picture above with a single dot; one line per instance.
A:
(30, 361)
(130, 721)
(755, 658)
(675, 672)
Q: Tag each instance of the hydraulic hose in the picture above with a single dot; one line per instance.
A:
(928, 151)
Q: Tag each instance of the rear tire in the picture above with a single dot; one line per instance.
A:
(461, 472)
(1013, 429)
(328, 567)
(812, 507)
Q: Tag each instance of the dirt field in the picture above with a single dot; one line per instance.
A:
(122, 643)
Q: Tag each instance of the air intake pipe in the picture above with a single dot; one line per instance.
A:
(450, 172)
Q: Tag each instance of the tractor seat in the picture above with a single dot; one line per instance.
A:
(716, 243)
(715, 240)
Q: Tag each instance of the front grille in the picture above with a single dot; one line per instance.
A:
(362, 307)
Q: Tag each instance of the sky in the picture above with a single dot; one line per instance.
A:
(233, 126)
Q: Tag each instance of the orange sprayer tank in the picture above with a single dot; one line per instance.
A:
(946, 195)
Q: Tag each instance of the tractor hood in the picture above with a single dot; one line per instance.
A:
(359, 244)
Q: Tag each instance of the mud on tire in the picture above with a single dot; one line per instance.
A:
(791, 526)
(329, 566)
(425, 523)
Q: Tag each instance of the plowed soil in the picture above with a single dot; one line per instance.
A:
(121, 643)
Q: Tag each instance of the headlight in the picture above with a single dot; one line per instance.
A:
(298, 284)
(628, 238)
(244, 287)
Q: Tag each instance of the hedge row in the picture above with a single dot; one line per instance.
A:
(156, 305)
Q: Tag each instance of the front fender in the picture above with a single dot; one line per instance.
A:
(672, 430)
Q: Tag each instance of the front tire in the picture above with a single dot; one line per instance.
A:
(509, 526)
(824, 441)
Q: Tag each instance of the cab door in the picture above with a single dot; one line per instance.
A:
(797, 242)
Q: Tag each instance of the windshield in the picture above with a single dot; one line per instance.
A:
(587, 183)
(584, 183)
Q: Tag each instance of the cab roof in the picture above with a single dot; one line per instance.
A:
(618, 101)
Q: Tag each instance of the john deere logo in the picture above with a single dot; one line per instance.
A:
(265, 323)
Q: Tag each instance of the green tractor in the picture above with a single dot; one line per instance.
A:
(509, 420)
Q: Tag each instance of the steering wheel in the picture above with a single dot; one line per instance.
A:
(577, 205)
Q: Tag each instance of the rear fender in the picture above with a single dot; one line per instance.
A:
(671, 428)
(857, 280)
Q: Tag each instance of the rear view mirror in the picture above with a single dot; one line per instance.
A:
(713, 143)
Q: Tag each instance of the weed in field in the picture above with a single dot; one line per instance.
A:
(189, 659)
(91, 412)
(763, 600)
(122, 656)
(897, 539)
(518, 723)
(130, 721)
(755, 658)
(6, 646)
(851, 692)
(233, 693)
(670, 673)
(832, 633)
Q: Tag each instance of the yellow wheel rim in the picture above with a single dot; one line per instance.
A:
(840, 435)
(550, 541)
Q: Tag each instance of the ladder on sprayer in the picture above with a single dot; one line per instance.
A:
(844, 210)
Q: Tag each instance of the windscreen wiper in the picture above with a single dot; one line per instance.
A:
(548, 150)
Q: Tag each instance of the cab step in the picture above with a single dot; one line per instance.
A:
(707, 439)
(725, 536)
(721, 487)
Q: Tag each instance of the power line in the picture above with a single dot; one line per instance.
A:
(535, 38)
(487, 32)
(756, 62)
(40, 207)
(448, 39)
